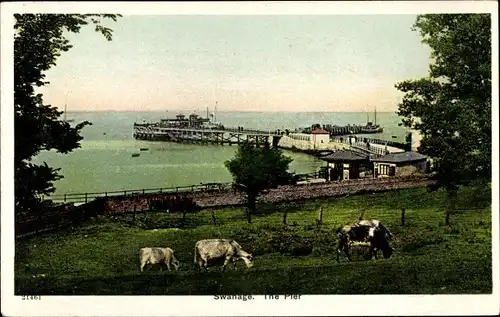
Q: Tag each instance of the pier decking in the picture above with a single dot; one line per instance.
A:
(152, 132)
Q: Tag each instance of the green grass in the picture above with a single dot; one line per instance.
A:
(101, 257)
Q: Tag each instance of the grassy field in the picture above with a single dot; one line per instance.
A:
(101, 257)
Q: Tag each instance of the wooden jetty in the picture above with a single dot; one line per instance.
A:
(153, 132)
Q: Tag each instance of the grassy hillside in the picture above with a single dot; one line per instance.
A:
(101, 257)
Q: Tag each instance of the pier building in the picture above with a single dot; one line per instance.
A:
(344, 165)
(398, 164)
(319, 137)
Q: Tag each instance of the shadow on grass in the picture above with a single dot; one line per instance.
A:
(373, 277)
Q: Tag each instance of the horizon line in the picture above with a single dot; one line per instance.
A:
(224, 111)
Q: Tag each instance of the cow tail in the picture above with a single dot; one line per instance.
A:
(361, 215)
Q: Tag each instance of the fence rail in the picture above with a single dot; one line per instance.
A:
(86, 197)
(346, 140)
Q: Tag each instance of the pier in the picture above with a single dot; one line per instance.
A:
(153, 132)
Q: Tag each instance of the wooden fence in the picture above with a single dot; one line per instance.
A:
(206, 187)
(87, 197)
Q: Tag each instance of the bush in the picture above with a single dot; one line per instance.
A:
(416, 241)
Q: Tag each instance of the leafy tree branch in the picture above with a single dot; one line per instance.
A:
(39, 39)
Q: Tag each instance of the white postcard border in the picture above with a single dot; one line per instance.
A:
(206, 305)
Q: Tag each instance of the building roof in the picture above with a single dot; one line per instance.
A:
(320, 131)
(344, 156)
(400, 157)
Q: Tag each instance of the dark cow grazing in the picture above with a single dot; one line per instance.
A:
(214, 250)
(366, 232)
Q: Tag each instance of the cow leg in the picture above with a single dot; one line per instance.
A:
(346, 251)
(226, 261)
(370, 253)
(234, 265)
(339, 248)
(205, 263)
(168, 266)
(144, 263)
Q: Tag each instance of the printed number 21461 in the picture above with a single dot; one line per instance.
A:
(30, 297)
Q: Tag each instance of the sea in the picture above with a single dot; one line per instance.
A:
(104, 162)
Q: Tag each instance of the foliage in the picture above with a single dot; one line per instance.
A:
(38, 41)
(452, 106)
(256, 169)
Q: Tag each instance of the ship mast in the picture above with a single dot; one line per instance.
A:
(215, 112)
(375, 116)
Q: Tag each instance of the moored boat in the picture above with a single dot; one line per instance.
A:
(372, 127)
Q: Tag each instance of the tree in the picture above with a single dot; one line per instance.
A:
(256, 169)
(452, 106)
(316, 126)
(38, 41)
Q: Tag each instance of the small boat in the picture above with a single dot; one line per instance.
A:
(324, 153)
(135, 154)
(144, 149)
(372, 127)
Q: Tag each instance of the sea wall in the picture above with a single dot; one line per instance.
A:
(289, 143)
(283, 193)
(313, 190)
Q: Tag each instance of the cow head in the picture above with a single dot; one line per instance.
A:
(387, 252)
(247, 258)
(176, 264)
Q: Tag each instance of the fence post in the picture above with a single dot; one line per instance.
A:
(105, 194)
(64, 197)
(124, 193)
(320, 220)
(143, 191)
(85, 197)
(214, 221)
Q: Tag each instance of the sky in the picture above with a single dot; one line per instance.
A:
(245, 63)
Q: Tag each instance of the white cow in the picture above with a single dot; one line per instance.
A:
(158, 256)
(218, 249)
